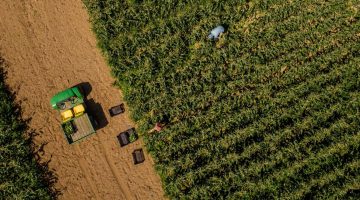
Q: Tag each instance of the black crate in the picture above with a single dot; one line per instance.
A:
(123, 138)
(116, 110)
(127, 137)
(138, 156)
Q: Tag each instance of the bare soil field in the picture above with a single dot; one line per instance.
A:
(49, 47)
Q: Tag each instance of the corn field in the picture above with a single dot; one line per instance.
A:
(20, 176)
(269, 110)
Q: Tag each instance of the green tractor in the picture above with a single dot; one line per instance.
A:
(75, 121)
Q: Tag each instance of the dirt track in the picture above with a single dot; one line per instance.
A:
(49, 46)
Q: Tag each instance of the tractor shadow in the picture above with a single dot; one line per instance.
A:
(94, 109)
(85, 88)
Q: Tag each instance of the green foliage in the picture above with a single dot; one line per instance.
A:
(68, 129)
(132, 137)
(270, 110)
(20, 177)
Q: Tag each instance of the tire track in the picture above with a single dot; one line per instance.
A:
(82, 164)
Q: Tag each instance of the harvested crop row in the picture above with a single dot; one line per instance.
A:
(254, 114)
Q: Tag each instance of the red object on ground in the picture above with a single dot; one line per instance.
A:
(158, 127)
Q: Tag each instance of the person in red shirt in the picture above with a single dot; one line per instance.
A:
(158, 127)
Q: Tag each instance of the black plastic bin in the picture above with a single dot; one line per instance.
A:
(116, 110)
(127, 137)
(138, 156)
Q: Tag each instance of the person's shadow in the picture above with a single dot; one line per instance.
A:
(94, 109)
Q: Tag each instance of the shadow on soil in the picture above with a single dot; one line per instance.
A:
(85, 88)
(47, 174)
(24, 136)
(94, 109)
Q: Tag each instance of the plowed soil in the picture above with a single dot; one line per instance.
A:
(49, 47)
